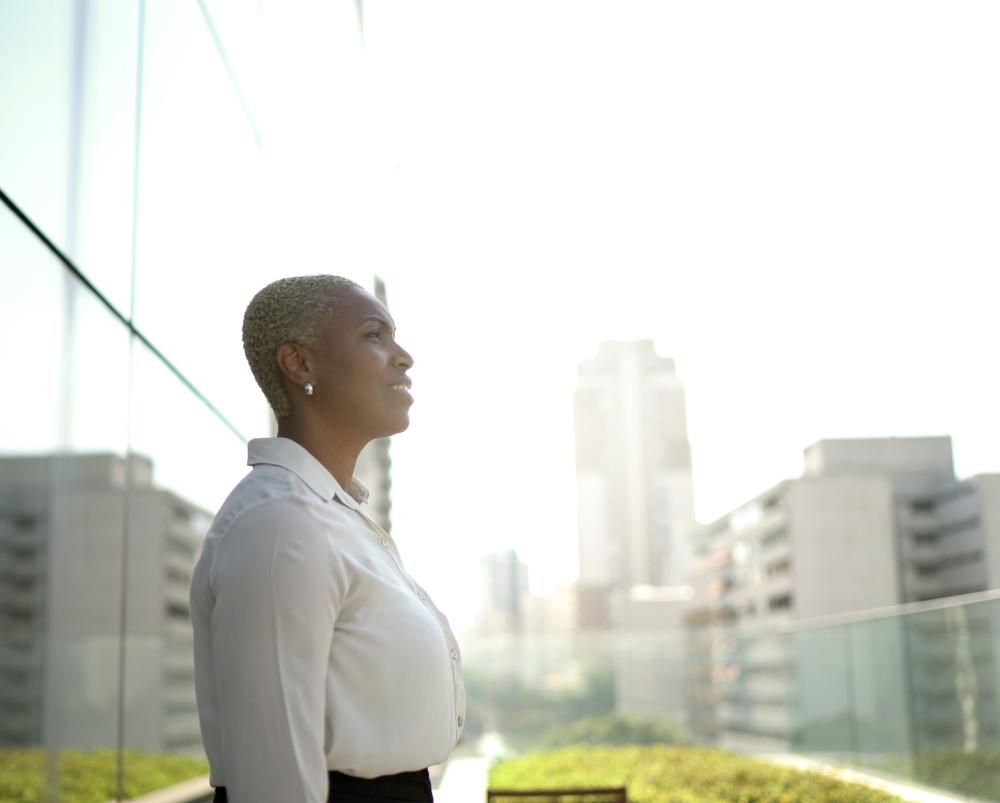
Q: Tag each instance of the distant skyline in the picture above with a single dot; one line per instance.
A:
(797, 203)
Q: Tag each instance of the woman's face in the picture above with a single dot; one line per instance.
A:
(361, 382)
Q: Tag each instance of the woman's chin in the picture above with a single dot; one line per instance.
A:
(398, 423)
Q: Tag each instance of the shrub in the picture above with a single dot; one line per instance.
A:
(615, 729)
(91, 777)
(664, 774)
(976, 774)
(522, 713)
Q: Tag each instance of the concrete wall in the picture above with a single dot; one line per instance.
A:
(988, 486)
(844, 545)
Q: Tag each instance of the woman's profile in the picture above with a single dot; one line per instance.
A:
(323, 671)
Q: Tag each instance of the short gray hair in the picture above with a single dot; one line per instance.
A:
(292, 310)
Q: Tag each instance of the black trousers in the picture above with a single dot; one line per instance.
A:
(403, 787)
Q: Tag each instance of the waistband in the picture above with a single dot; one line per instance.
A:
(402, 786)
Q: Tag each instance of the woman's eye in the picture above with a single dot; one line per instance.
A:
(377, 335)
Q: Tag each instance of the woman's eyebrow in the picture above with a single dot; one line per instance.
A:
(381, 320)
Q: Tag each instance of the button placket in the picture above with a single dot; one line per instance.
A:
(384, 539)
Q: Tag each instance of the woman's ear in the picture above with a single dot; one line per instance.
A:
(295, 363)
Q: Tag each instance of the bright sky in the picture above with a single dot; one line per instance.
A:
(796, 201)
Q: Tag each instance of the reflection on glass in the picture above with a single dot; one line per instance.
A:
(823, 697)
(164, 537)
(35, 153)
(69, 69)
(62, 503)
(953, 689)
(195, 455)
(189, 462)
(877, 671)
(204, 230)
(912, 695)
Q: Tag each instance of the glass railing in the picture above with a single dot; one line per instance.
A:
(909, 694)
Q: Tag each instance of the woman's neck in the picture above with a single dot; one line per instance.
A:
(337, 454)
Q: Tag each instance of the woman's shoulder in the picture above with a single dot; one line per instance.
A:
(272, 498)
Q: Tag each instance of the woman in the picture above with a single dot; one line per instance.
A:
(323, 670)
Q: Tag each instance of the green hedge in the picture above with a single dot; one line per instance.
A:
(666, 774)
(614, 729)
(976, 774)
(90, 777)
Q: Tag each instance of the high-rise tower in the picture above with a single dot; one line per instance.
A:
(633, 468)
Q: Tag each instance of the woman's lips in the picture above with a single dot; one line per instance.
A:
(402, 388)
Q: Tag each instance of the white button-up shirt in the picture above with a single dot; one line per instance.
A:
(314, 649)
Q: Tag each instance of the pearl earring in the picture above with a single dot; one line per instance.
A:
(309, 388)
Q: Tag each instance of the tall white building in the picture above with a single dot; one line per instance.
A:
(633, 468)
(503, 592)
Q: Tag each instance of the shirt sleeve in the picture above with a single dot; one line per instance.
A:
(277, 598)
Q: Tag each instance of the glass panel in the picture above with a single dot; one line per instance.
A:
(877, 681)
(911, 696)
(243, 32)
(69, 69)
(526, 690)
(649, 675)
(100, 243)
(195, 456)
(954, 698)
(754, 688)
(38, 43)
(825, 727)
(219, 216)
(62, 503)
(203, 223)
(187, 462)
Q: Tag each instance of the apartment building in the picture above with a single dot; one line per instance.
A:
(70, 539)
(871, 524)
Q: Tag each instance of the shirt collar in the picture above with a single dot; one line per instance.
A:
(288, 454)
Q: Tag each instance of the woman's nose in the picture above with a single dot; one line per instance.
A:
(403, 358)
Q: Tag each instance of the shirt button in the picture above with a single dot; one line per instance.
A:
(383, 543)
(454, 655)
(422, 595)
(461, 720)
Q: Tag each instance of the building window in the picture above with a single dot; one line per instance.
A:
(958, 526)
(773, 537)
(178, 575)
(930, 568)
(780, 602)
(179, 546)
